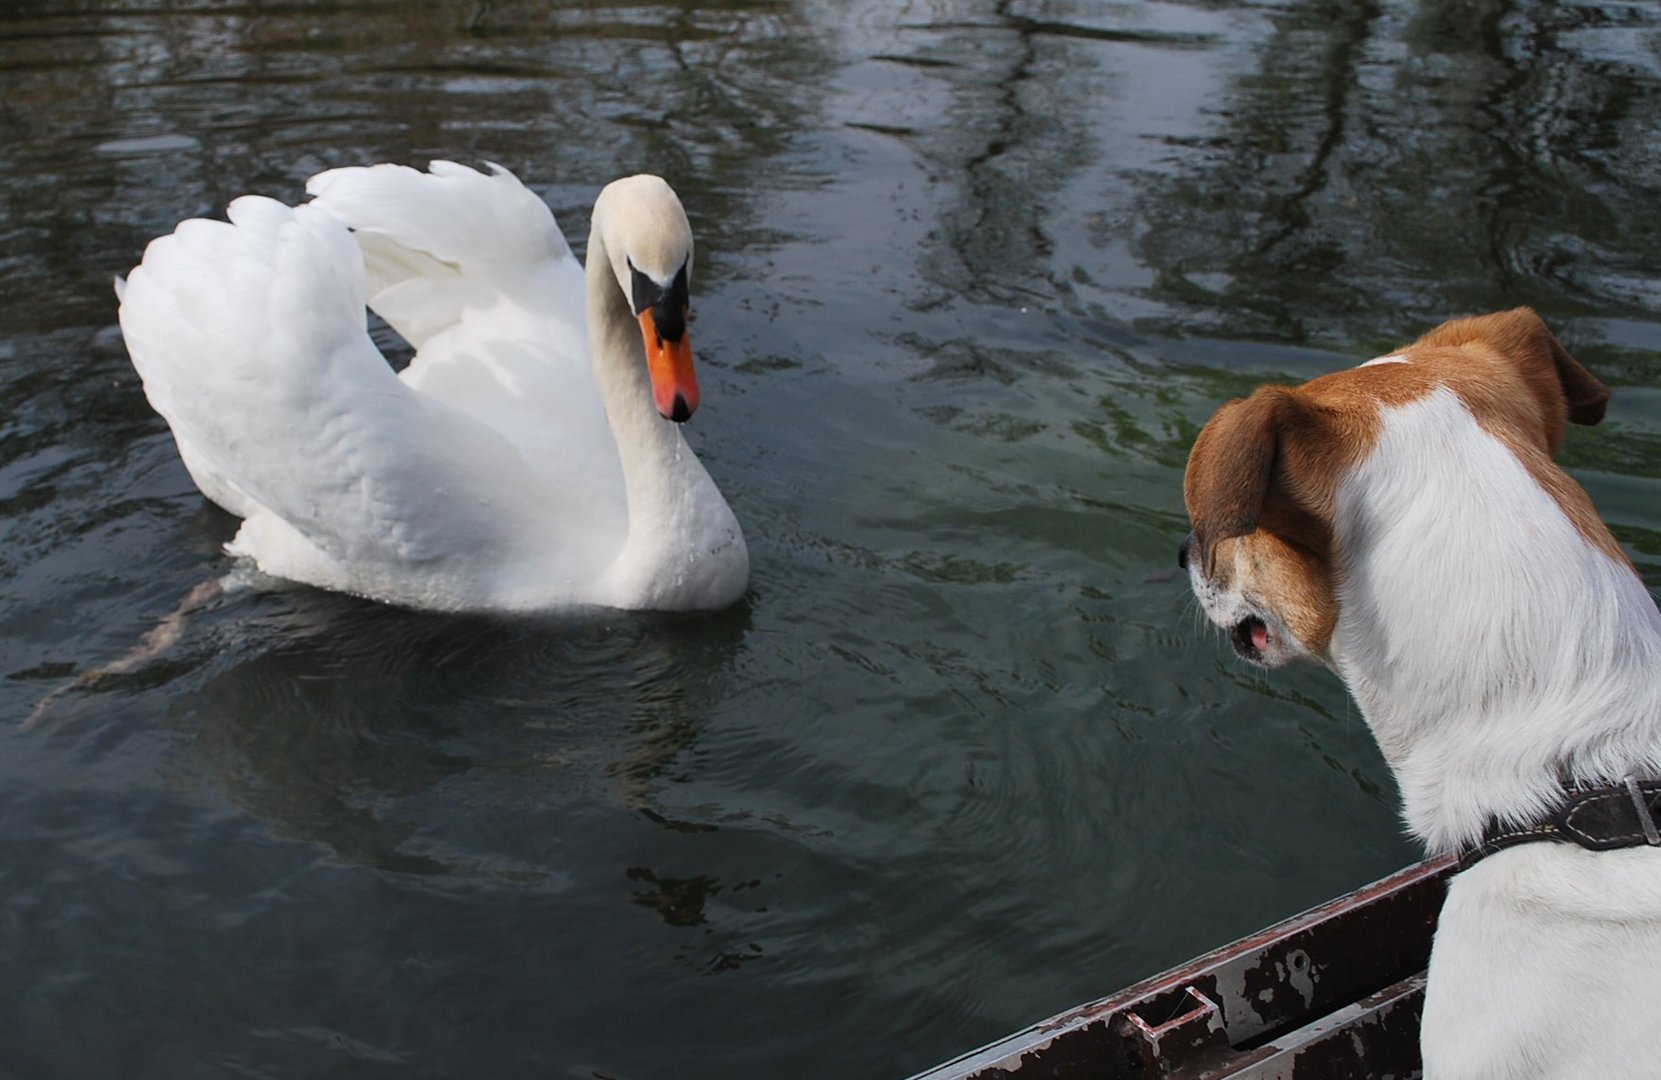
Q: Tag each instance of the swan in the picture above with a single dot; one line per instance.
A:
(529, 457)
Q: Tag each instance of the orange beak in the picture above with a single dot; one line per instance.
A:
(674, 384)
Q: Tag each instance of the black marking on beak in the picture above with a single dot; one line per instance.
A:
(681, 413)
(668, 304)
(644, 292)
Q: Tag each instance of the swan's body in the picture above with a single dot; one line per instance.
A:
(520, 461)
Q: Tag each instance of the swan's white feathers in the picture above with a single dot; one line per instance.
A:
(250, 338)
(486, 474)
(471, 270)
(441, 242)
(451, 212)
(419, 296)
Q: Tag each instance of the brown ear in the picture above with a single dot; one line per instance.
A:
(1587, 397)
(1233, 463)
(1522, 335)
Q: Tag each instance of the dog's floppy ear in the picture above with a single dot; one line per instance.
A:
(1522, 336)
(1233, 463)
(1524, 333)
(1587, 397)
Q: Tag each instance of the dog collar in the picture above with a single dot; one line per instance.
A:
(1598, 819)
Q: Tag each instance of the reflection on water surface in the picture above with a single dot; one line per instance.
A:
(971, 274)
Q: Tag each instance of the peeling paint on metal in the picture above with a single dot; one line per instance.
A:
(1297, 1001)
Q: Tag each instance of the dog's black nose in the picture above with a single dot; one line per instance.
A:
(1182, 551)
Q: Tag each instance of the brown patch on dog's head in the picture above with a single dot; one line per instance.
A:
(1262, 479)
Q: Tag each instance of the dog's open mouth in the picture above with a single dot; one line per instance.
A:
(1250, 638)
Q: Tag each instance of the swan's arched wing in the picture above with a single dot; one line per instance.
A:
(441, 241)
(470, 267)
(250, 338)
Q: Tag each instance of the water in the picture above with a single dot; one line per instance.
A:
(971, 275)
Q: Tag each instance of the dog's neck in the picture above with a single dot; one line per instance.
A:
(1494, 651)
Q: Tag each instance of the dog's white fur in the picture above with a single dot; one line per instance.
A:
(1491, 649)
(1498, 647)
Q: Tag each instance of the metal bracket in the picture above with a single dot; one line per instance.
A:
(1176, 1041)
(1651, 834)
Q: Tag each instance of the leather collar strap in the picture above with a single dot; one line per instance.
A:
(1598, 819)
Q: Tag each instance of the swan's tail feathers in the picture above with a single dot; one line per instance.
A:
(120, 288)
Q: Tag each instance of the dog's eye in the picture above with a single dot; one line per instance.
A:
(1182, 551)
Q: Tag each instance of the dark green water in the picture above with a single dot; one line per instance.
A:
(971, 275)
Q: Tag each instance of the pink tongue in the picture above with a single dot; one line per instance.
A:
(1260, 637)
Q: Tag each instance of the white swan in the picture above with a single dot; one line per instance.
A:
(504, 468)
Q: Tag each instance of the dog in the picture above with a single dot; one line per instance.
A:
(1405, 524)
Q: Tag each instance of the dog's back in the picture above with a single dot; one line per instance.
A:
(1547, 965)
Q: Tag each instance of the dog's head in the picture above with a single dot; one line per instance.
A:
(1264, 475)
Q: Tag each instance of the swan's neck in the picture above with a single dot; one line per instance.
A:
(662, 477)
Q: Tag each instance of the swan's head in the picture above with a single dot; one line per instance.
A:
(649, 243)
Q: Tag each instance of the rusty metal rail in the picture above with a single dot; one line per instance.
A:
(1331, 994)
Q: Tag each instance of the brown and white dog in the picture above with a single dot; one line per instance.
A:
(1404, 523)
